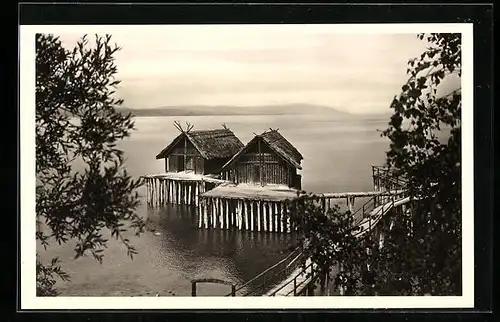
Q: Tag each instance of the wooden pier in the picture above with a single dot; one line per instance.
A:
(247, 207)
(178, 188)
(251, 187)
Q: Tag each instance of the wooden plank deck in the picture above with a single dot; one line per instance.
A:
(184, 176)
(252, 192)
(286, 287)
(302, 279)
(376, 215)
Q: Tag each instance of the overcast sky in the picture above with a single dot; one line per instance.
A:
(250, 65)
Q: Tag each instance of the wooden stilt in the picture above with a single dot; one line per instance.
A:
(222, 217)
(265, 215)
(179, 194)
(162, 184)
(174, 194)
(282, 217)
(152, 192)
(288, 223)
(226, 211)
(232, 213)
(200, 217)
(238, 217)
(147, 192)
(258, 215)
(196, 194)
(204, 205)
(247, 214)
(214, 213)
(155, 193)
(169, 199)
(251, 215)
(271, 217)
(276, 215)
(160, 197)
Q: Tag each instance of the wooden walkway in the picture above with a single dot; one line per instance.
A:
(299, 280)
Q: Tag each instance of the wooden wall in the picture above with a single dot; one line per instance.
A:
(265, 167)
(184, 156)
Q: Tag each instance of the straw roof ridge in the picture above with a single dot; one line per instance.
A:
(278, 144)
(212, 144)
(281, 145)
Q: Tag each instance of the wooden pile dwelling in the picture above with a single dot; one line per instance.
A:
(260, 181)
(248, 187)
(193, 163)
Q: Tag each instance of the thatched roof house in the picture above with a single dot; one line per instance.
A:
(201, 151)
(268, 158)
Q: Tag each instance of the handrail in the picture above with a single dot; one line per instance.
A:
(294, 252)
(284, 270)
(294, 280)
(378, 214)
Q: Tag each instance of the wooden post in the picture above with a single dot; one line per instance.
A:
(160, 197)
(251, 203)
(169, 185)
(260, 162)
(271, 217)
(204, 205)
(179, 193)
(240, 216)
(164, 191)
(288, 224)
(264, 214)
(200, 216)
(179, 186)
(282, 217)
(232, 212)
(183, 191)
(258, 215)
(247, 214)
(197, 194)
(174, 192)
(190, 196)
(153, 192)
(221, 213)
(276, 215)
(226, 204)
(214, 213)
(147, 191)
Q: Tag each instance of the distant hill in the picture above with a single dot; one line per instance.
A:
(289, 109)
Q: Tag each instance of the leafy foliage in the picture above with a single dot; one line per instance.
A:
(421, 251)
(77, 123)
(432, 165)
(329, 239)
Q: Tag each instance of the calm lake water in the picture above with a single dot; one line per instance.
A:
(337, 157)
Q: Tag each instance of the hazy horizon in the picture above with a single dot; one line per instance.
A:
(256, 65)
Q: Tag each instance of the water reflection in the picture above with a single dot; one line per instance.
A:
(231, 255)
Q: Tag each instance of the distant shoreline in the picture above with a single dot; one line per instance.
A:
(272, 110)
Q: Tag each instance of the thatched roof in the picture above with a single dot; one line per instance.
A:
(212, 144)
(278, 144)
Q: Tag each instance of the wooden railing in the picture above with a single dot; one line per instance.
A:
(309, 278)
(371, 215)
(270, 276)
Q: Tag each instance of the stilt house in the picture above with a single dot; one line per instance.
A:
(202, 152)
(267, 159)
